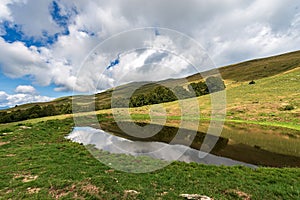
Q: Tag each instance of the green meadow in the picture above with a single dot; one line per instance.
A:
(261, 126)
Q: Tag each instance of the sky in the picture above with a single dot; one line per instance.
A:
(50, 49)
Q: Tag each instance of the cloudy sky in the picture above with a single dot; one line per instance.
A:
(46, 46)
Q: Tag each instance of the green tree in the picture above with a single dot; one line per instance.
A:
(200, 88)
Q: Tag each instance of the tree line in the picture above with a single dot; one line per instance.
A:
(159, 94)
(35, 111)
(162, 94)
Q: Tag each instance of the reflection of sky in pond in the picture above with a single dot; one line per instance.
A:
(159, 150)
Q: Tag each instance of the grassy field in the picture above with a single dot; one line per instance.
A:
(37, 162)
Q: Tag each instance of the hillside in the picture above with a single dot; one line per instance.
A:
(233, 75)
(258, 68)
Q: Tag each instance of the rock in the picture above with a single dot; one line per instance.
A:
(25, 127)
(195, 196)
(132, 192)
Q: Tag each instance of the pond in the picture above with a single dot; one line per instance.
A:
(158, 150)
(239, 144)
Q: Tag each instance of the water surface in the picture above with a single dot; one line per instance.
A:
(158, 150)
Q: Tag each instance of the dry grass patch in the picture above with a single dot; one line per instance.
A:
(58, 193)
(239, 193)
(4, 143)
(10, 155)
(130, 194)
(33, 190)
(26, 177)
(90, 188)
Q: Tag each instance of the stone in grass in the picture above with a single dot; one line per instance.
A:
(195, 197)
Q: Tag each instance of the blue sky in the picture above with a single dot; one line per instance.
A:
(12, 32)
(44, 43)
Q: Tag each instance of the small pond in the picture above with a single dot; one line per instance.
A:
(253, 144)
(158, 150)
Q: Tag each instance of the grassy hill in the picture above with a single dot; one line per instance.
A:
(258, 68)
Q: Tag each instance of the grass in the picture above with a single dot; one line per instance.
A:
(38, 163)
(257, 69)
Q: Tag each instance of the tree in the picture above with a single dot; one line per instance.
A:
(200, 88)
(49, 110)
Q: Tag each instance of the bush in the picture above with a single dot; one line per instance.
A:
(160, 94)
(200, 88)
(288, 107)
(212, 84)
(251, 82)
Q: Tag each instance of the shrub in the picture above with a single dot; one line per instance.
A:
(251, 82)
(288, 107)
(200, 88)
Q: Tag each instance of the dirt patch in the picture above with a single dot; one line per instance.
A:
(9, 191)
(24, 127)
(26, 177)
(77, 196)
(109, 171)
(90, 188)
(239, 193)
(33, 190)
(10, 155)
(195, 197)
(130, 194)
(4, 143)
(57, 193)
(29, 178)
(163, 193)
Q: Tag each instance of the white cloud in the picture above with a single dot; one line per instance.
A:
(5, 13)
(10, 100)
(25, 89)
(230, 31)
(17, 60)
(34, 17)
(3, 96)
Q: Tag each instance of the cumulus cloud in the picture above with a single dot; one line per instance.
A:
(24, 94)
(34, 16)
(17, 60)
(5, 13)
(230, 31)
(25, 89)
